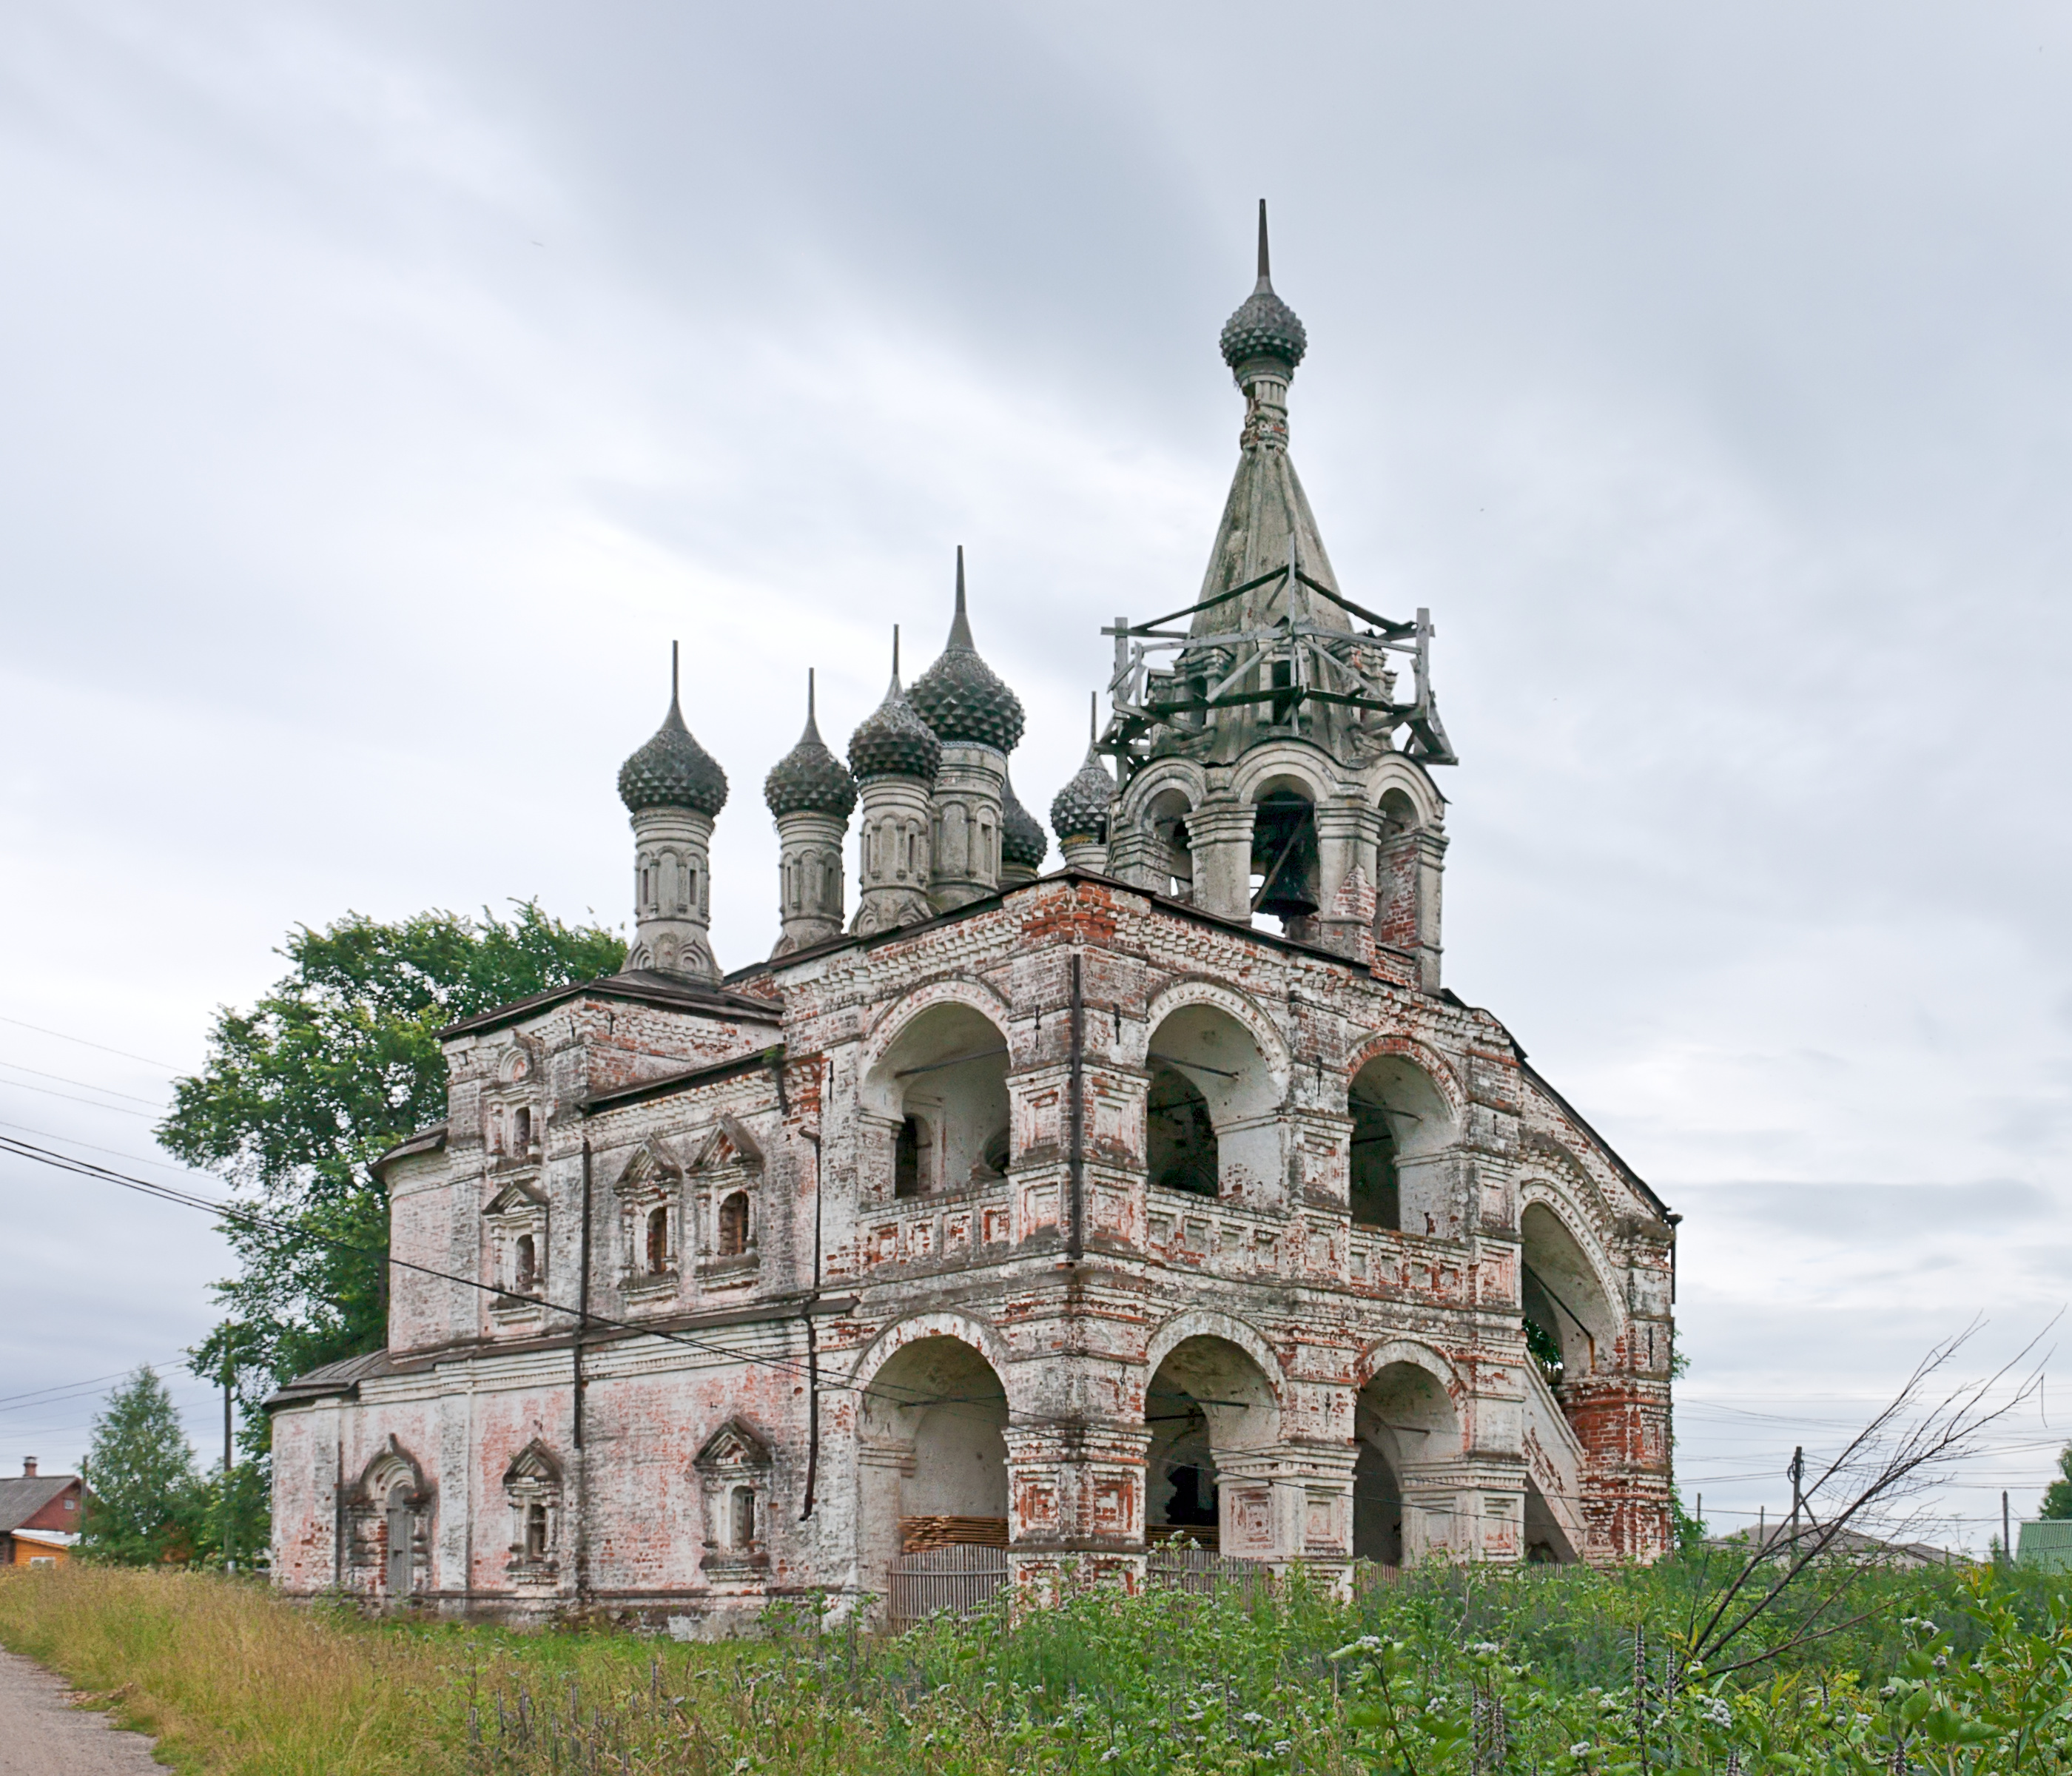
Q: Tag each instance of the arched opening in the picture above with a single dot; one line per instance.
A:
(1172, 860)
(402, 1535)
(1180, 1138)
(733, 1225)
(1569, 1326)
(1402, 1174)
(933, 1453)
(1212, 1127)
(1285, 868)
(1208, 1403)
(536, 1532)
(658, 1241)
(521, 1130)
(528, 1265)
(943, 1087)
(1405, 1429)
(741, 1518)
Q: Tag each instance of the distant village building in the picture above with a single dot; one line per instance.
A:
(39, 1517)
(1004, 1222)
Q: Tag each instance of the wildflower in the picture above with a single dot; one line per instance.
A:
(1581, 1749)
(1716, 1712)
(1252, 1717)
(1282, 1747)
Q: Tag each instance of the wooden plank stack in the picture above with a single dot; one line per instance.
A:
(918, 1533)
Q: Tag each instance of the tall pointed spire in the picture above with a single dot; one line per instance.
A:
(1266, 261)
(809, 778)
(893, 741)
(960, 634)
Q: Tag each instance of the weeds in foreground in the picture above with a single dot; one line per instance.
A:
(1451, 1672)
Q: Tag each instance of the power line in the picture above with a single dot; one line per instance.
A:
(117, 1152)
(115, 1109)
(86, 1085)
(20, 1023)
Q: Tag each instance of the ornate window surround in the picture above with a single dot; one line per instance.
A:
(653, 1178)
(534, 1479)
(728, 1160)
(520, 1209)
(734, 1458)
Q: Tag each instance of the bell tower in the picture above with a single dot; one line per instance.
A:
(1264, 758)
(673, 789)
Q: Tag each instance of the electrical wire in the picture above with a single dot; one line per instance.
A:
(22, 1023)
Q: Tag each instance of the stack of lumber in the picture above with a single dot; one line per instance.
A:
(1207, 1535)
(917, 1533)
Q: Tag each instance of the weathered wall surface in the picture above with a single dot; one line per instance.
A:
(769, 1313)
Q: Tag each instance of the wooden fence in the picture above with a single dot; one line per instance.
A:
(957, 1581)
(1199, 1571)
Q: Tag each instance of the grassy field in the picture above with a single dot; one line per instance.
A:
(1446, 1670)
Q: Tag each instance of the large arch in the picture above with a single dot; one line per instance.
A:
(1210, 1398)
(1212, 1121)
(931, 1420)
(1406, 1126)
(1565, 1292)
(1407, 1428)
(935, 1088)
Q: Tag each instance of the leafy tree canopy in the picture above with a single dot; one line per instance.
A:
(2057, 1495)
(337, 1063)
(140, 1473)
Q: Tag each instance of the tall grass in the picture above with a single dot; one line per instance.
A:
(232, 1680)
(1448, 1672)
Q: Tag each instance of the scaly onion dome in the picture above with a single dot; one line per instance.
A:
(1263, 327)
(959, 698)
(1022, 838)
(1080, 811)
(673, 770)
(809, 779)
(895, 742)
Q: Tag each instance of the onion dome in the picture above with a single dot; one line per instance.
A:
(959, 697)
(895, 742)
(1022, 838)
(1263, 327)
(672, 769)
(809, 779)
(1080, 811)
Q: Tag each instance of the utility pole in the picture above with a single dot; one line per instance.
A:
(2007, 1540)
(229, 1373)
(1797, 1470)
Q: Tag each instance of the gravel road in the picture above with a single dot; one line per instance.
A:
(40, 1736)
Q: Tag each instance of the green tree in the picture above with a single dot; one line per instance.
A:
(338, 1062)
(146, 1499)
(2057, 1495)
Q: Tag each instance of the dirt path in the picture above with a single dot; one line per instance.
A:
(40, 1736)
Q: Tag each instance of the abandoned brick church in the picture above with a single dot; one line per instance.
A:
(1017, 1225)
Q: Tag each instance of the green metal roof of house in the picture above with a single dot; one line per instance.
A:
(2047, 1544)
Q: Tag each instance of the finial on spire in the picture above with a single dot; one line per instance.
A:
(672, 675)
(960, 634)
(1093, 718)
(1265, 264)
(895, 656)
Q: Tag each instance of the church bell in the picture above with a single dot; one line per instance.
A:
(1283, 855)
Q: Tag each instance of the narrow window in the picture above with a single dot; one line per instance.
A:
(910, 851)
(522, 1130)
(658, 1241)
(743, 1526)
(733, 1225)
(528, 1265)
(536, 1532)
(1284, 680)
(1180, 1139)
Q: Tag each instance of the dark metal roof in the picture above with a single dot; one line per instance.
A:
(642, 986)
(342, 1377)
(809, 779)
(429, 1140)
(1022, 838)
(1080, 808)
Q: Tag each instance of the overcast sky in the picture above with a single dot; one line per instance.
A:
(386, 385)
